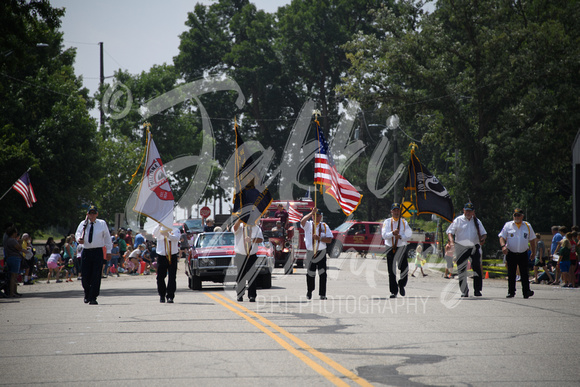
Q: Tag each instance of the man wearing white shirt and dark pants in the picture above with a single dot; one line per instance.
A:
(316, 251)
(94, 234)
(167, 249)
(247, 239)
(396, 232)
(516, 238)
(467, 234)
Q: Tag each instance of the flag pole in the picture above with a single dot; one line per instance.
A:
(316, 113)
(147, 126)
(314, 221)
(12, 186)
(237, 165)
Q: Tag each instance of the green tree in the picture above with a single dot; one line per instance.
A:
(279, 60)
(44, 119)
(175, 131)
(490, 88)
(312, 35)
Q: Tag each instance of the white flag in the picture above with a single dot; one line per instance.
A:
(155, 198)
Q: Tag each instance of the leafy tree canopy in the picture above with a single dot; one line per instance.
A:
(491, 89)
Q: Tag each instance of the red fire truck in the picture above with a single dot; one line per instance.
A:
(288, 242)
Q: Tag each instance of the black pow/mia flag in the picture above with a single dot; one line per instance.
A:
(427, 192)
(249, 202)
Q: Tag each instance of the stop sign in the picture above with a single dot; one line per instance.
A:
(205, 212)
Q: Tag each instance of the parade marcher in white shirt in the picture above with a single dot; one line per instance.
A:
(247, 239)
(396, 232)
(516, 238)
(467, 234)
(316, 251)
(167, 258)
(94, 234)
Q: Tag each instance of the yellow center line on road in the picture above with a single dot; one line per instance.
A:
(349, 374)
(315, 366)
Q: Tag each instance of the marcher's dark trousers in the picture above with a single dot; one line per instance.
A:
(463, 254)
(247, 272)
(91, 269)
(514, 260)
(164, 268)
(314, 264)
(397, 260)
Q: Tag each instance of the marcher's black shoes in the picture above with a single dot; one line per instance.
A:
(402, 290)
(162, 300)
(252, 299)
(323, 298)
(170, 300)
(393, 296)
(86, 300)
(465, 295)
(509, 296)
(93, 302)
(529, 294)
(240, 299)
(477, 293)
(309, 295)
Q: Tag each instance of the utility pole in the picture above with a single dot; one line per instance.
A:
(101, 86)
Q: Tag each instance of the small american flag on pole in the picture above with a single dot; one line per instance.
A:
(24, 188)
(325, 173)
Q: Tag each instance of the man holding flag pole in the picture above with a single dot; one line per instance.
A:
(428, 196)
(317, 233)
(155, 200)
(249, 205)
(396, 232)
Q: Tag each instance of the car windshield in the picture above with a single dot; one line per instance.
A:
(194, 225)
(268, 225)
(211, 239)
(343, 227)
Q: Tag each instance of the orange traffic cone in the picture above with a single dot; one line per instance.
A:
(487, 275)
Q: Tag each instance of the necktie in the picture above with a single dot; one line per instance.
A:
(91, 233)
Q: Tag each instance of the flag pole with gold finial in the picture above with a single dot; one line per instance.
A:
(316, 114)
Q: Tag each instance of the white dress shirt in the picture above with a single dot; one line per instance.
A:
(465, 231)
(517, 238)
(405, 232)
(101, 235)
(254, 232)
(172, 241)
(322, 230)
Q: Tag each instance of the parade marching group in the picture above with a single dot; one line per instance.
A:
(466, 235)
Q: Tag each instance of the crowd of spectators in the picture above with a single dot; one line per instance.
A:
(559, 262)
(61, 262)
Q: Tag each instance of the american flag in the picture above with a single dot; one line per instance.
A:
(24, 188)
(325, 173)
(294, 215)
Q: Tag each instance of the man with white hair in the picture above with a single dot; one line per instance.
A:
(467, 234)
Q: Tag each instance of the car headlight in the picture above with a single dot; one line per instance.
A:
(278, 247)
(207, 262)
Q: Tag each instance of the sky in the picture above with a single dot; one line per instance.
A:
(136, 34)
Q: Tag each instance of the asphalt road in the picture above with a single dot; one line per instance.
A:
(357, 337)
